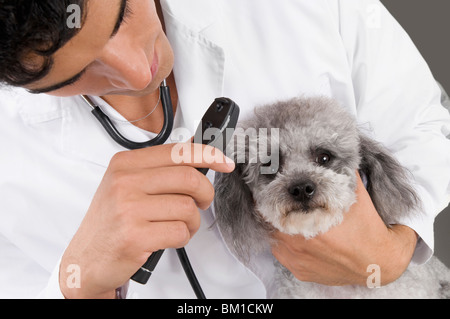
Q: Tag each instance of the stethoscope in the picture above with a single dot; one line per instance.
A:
(143, 274)
(114, 133)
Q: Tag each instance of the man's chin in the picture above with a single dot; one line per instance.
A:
(144, 92)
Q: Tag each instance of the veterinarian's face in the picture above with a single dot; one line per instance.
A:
(133, 61)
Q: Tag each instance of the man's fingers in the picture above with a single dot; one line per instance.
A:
(185, 154)
(183, 180)
(172, 207)
(151, 237)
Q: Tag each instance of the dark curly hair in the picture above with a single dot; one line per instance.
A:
(31, 29)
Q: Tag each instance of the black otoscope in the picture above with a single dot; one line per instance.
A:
(215, 129)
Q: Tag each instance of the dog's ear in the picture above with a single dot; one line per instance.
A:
(388, 182)
(235, 214)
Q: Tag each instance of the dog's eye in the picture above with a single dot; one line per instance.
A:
(323, 158)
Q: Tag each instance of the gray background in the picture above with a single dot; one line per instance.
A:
(428, 24)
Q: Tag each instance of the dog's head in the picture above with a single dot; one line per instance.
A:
(296, 171)
(308, 180)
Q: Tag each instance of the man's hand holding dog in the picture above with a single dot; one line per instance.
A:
(341, 255)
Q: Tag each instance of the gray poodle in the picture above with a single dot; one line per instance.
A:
(300, 178)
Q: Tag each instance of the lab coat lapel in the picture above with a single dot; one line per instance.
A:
(68, 123)
(83, 137)
(199, 61)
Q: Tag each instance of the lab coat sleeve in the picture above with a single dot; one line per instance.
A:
(52, 289)
(23, 277)
(398, 102)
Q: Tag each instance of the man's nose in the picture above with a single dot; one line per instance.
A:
(127, 67)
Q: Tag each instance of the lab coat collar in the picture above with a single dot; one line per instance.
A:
(70, 122)
(199, 60)
(37, 109)
(197, 21)
(83, 137)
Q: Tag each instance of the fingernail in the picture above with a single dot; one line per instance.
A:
(230, 163)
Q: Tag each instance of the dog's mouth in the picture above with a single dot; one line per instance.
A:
(304, 218)
(304, 208)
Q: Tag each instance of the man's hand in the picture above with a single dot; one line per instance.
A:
(341, 255)
(144, 203)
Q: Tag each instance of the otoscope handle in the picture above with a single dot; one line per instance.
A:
(144, 273)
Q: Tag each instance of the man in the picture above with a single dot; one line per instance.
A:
(80, 214)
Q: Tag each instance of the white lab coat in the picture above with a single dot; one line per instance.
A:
(54, 152)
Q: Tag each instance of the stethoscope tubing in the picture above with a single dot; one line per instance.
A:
(115, 134)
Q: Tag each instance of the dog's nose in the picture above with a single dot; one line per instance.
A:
(303, 191)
